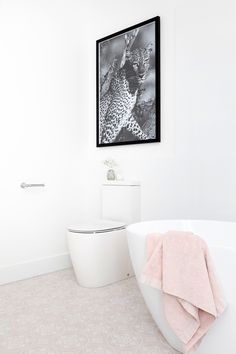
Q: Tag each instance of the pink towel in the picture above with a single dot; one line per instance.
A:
(179, 264)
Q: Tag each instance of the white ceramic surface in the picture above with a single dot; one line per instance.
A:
(221, 239)
(100, 257)
(121, 202)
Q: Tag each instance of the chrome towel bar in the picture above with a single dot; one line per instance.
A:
(28, 185)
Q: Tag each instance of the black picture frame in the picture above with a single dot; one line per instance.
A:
(117, 63)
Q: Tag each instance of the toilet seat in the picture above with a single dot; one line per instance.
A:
(97, 226)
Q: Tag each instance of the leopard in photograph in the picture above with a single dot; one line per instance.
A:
(117, 104)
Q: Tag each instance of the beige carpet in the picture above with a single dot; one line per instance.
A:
(51, 314)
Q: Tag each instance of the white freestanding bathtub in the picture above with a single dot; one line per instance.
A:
(221, 240)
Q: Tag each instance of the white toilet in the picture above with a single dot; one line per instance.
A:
(99, 250)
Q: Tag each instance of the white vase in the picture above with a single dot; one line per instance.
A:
(111, 176)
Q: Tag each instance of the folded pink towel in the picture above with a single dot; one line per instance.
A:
(179, 264)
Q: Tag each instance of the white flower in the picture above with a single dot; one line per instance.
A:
(110, 163)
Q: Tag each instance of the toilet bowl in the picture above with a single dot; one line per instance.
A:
(99, 249)
(99, 253)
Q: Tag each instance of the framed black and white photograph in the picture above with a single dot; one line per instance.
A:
(128, 85)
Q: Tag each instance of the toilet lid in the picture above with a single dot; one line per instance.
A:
(97, 226)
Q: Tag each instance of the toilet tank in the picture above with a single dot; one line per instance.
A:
(121, 201)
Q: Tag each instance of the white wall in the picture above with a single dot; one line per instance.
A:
(42, 135)
(206, 106)
(191, 173)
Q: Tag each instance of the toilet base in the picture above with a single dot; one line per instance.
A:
(100, 259)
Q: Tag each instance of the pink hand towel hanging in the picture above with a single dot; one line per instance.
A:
(179, 264)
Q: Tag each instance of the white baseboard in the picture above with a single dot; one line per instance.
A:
(33, 268)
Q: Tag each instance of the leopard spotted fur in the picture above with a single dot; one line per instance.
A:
(117, 104)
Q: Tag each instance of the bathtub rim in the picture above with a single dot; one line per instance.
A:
(132, 229)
